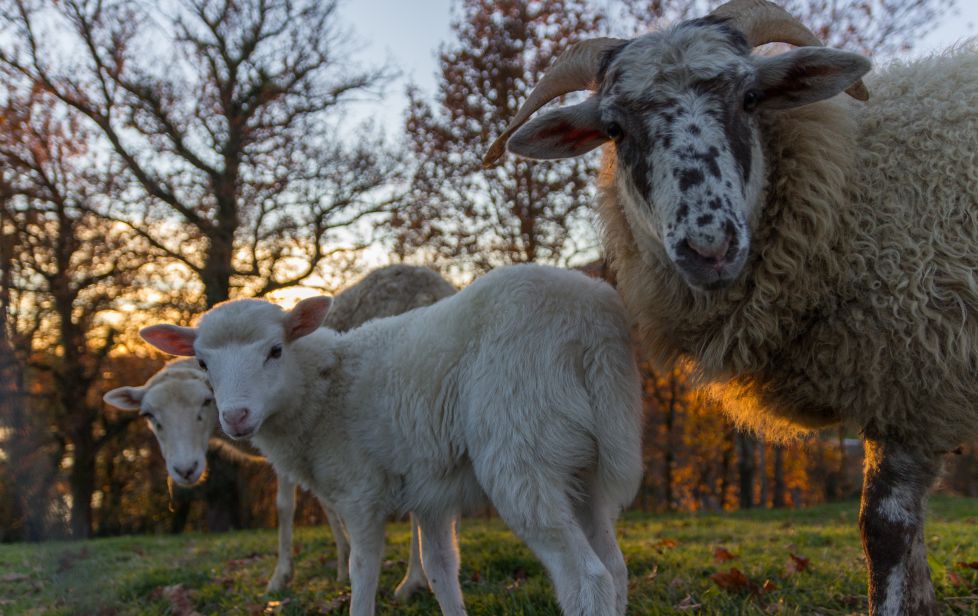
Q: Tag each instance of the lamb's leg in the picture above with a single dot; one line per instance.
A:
(414, 579)
(597, 515)
(439, 554)
(285, 502)
(891, 519)
(366, 553)
(540, 512)
(342, 544)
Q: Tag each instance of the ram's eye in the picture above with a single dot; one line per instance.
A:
(202, 364)
(200, 417)
(275, 352)
(159, 427)
(614, 131)
(751, 99)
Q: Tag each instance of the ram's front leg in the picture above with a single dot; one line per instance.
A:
(366, 531)
(896, 481)
(285, 502)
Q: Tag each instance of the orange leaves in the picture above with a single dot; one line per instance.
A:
(732, 581)
(961, 581)
(796, 564)
(722, 555)
(736, 581)
(666, 543)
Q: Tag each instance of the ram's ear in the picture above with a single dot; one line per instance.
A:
(125, 398)
(307, 316)
(807, 75)
(171, 339)
(562, 133)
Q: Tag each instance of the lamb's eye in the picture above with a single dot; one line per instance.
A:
(751, 99)
(275, 352)
(614, 131)
(202, 364)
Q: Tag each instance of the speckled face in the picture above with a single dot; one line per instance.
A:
(679, 106)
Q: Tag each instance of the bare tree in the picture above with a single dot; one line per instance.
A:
(520, 211)
(72, 268)
(221, 120)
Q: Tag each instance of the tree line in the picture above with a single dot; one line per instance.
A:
(155, 161)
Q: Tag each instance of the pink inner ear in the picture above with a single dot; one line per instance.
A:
(307, 316)
(170, 339)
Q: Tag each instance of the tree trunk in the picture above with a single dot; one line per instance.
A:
(216, 274)
(670, 454)
(82, 482)
(746, 445)
(777, 498)
(762, 467)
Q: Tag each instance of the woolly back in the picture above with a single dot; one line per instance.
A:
(386, 292)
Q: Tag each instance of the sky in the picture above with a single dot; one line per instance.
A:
(407, 34)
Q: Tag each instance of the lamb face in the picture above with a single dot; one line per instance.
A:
(680, 108)
(181, 413)
(245, 348)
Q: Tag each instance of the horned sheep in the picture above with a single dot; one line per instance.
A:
(813, 255)
(178, 404)
(522, 387)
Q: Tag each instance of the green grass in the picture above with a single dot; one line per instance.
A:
(670, 557)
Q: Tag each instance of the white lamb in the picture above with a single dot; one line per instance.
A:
(179, 406)
(522, 388)
(178, 403)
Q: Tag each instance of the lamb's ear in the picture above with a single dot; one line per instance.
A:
(125, 398)
(171, 339)
(807, 75)
(561, 133)
(307, 316)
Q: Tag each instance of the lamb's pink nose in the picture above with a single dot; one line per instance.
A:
(236, 416)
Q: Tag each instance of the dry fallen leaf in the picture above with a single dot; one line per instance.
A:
(955, 579)
(768, 586)
(732, 581)
(796, 564)
(722, 554)
(964, 565)
(666, 543)
(179, 598)
(334, 603)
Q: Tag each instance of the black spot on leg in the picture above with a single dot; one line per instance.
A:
(694, 129)
(704, 220)
(715, 204)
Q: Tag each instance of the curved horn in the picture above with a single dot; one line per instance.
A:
(575, 69)
(764, 22)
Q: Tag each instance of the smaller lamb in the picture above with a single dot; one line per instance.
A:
(179, 407)
(522, 387)
(179, 398)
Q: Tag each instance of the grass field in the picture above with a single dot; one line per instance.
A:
(673, 560)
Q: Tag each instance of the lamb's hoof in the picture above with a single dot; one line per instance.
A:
(408, 587)
(279, 581)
